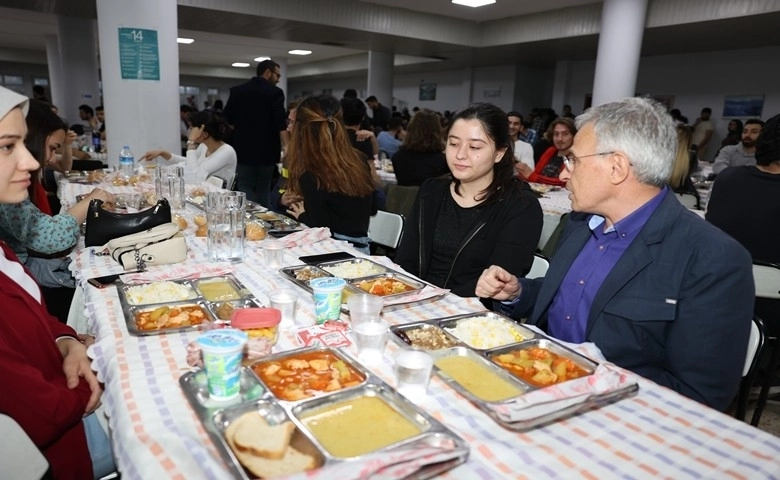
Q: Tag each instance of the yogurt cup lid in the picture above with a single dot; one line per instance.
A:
(328, 283)
(227, 339)
(255, 318)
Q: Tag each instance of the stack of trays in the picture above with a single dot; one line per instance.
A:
(362, 276)
(179, 305)
(333, 406)
(490, 359)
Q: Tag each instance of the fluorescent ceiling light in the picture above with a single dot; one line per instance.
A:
(240, 64)
(262, 59)
(185, 41)
(299, 52)
(473, 3)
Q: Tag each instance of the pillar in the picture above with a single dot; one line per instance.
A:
(78, 57)
(282, 61)
(56, 90)
(380, 77)
(560, 85)
(142, 109)
(620, 45)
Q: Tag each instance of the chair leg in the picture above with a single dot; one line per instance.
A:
(764, 394)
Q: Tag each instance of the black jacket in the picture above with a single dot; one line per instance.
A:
(256, 111)
(506, 235)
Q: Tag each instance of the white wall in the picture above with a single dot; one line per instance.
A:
(697, 81)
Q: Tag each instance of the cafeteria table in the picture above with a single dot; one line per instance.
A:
(155, 434)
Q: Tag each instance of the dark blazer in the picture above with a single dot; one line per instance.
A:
(256, 111)
(676, 308)
(506, 234)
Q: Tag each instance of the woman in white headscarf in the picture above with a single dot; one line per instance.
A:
(48, 384)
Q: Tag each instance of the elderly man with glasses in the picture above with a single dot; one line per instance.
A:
(658, 290)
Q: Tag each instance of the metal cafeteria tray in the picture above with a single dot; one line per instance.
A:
(482, 371)
(292, 273)
(130, 309)
(451, 322)
(254, 397)
(197, 202)
(131, 314)
(246, 302)
(392, 276)
(427, 328)
(586, 364)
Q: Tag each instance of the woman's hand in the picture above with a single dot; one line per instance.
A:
(76, 365)
(288, 198)
(197, 134)
(152, 154)
(99, 194)
(363, 135)
(524, 170)
(296, 210)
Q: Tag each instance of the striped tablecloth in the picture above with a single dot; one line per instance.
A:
(656, 434)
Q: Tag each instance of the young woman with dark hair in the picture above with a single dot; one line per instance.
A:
(480, 215)
(207, 153)
(421, 156)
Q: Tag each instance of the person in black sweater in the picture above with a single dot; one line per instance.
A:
(421, 156)
(329, 174)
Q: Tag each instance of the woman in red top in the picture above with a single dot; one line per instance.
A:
(49, 388)
(550, 164)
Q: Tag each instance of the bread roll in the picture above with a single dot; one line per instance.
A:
(200, 220)
(202, 231)
(180, 221)
(254, 231)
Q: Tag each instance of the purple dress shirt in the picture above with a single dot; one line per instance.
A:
(567, 317)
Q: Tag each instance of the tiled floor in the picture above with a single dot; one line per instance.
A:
(770, 418)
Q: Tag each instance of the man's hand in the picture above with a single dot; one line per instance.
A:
(523, 169)
(498, 284)
(76, 365)
(363, 135)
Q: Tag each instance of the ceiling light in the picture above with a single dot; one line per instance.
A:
(299, 52)
(240, 64)
(262, 59)
(473, 3)
(185, 41)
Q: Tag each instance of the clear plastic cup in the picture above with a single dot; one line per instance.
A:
(412, 373)
(327, 298)
(223, 350)
(284, 300)
(370, 340)
(364, 308)
(273, 253)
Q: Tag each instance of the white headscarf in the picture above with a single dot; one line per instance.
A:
(10, 100)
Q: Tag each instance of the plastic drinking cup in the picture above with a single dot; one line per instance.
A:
(327, 298)
(413, 372)
(223, 350)
(284, 300)
(370, 339)
(273, 253)
(364, 307)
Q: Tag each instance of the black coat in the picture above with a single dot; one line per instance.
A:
(256, 111)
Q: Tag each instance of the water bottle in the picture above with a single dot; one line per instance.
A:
(96, 141)
(126, 163)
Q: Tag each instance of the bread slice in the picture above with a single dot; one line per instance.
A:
(254, 435)
(291, 461)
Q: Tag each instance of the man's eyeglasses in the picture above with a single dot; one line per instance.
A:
(570, 161)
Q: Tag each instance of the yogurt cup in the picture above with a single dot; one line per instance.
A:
(223, 350)
(327, 297)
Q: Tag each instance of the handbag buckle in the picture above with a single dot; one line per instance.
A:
(140, 264)
(97, 253)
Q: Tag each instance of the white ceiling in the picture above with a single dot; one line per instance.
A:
(224, 37)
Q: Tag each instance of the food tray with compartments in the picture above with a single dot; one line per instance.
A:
(155, 308)
(495, 372)
(329, 424)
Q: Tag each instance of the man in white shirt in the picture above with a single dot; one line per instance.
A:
(702, 132)
(524, 152)
(744, 153)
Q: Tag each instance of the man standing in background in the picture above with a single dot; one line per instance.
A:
(256, 111)
(702, 132)
(380, 114)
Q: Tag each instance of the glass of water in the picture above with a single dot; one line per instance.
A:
(413, 372)
(225, 222)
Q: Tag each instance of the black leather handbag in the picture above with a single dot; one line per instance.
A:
(103, 225)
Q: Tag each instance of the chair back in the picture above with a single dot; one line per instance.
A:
(539, 267)
(19, 456)
(400, 199)
(385, 229)
(216, 181)
(766, 276)
(688, 200)
(755, 345)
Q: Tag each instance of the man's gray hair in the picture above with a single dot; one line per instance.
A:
(640, 128)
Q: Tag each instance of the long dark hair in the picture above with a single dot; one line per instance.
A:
(42, 122)
(496, 126)
(424, 133)
(319, 144)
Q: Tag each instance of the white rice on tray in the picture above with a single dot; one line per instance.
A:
(159, 292)
(354, 269)
(486, 332)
